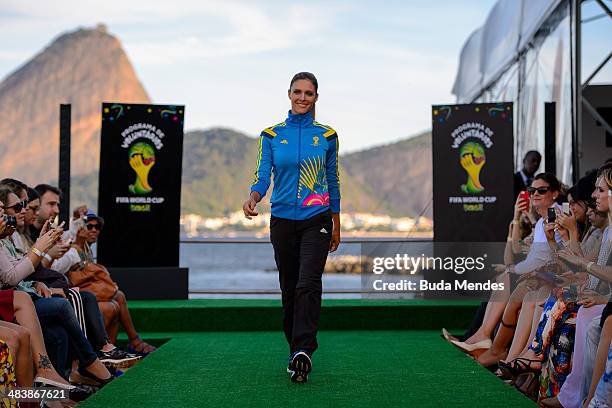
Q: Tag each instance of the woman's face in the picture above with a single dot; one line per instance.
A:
(578, 208)
(601, 195)
(302, 95)
(31, 212)
(543, 197)
(14, 206)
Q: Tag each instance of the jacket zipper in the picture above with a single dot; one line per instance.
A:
(297, 186)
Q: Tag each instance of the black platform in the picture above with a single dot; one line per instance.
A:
(152, 283)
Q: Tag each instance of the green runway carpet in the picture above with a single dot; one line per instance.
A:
(351, 369)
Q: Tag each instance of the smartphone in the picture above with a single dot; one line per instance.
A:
(552, 215)
(525, 196)
(566, 208)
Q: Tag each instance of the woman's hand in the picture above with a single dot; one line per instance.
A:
(58, 250)
(569, 256)
(591, 299)
(249, 205)
(57, 291)
(45, 227)
(520, 206)
(335, 239)
(499, 268)
(48, 240)
(549, 230)
(566, 221)
(42, 289)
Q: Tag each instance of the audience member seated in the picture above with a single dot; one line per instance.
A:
(87, 274)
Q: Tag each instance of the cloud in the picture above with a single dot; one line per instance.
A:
(248, 30)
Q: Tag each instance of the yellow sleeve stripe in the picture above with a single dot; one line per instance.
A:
(338, 164)
(329, 133)
(256, 177)
(270, 130)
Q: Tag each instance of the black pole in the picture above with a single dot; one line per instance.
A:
(550, 131)
(64, 163)
(576, 42)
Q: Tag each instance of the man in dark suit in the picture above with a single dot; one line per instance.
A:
(523, 177)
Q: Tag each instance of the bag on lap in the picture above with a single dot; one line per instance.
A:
(94, 278)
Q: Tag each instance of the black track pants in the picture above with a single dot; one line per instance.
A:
(300, 251)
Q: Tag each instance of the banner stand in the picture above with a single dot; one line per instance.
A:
(141, 156)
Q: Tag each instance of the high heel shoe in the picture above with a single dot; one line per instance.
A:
(447, 336)
(518, 366)
(468, 348)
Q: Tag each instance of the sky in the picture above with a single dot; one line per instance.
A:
(380, 65)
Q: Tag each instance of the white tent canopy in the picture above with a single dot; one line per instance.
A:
(508, 30)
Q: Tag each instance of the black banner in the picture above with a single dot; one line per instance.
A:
(473, 170)
(140, 185)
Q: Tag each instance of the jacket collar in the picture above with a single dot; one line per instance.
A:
(297, 120)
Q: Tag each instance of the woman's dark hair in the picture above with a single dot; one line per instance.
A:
(17, 186)
(309, 77)
(32, 194)
(551, 179)
(5, 191)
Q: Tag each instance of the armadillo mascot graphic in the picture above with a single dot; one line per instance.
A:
(472, 159)
(142, 158)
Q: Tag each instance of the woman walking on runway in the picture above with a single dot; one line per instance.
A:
(305, 223)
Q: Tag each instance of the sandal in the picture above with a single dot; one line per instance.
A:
(141, 347)
(518, 366)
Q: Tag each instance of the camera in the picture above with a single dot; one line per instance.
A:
(11, 220)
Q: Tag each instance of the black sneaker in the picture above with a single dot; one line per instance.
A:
(118, 358)
(300, 366)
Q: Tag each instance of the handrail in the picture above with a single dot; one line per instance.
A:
(351, 240)
(272, 292)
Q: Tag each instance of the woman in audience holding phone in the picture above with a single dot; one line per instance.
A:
(544, 190)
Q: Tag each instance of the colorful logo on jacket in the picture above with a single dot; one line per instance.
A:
(472, 158)
(313, 183)
(142, 158)
(315, 141)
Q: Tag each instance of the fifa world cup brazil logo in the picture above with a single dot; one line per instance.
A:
(142, 158)
(472, 158)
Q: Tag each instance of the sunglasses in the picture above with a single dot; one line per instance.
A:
(19, 206)
(94, 226)
(540, 190)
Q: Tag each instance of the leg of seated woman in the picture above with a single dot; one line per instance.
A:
(18, 340)
(523, 327)
(126, 321)
(96, 333)
(494, 311)
(25, 314)
(603, 350)
(498, 350)
(537, 316)
(571, 391)
(110, 313)
(59, 310)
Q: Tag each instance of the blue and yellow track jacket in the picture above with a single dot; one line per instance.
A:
(303, 156)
